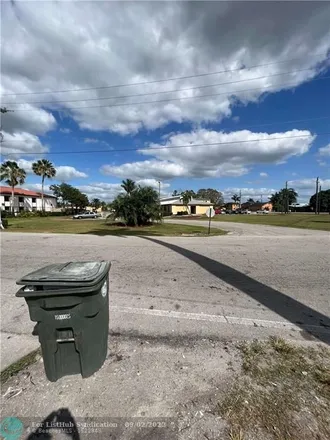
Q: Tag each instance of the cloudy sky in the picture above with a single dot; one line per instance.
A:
(192, 94)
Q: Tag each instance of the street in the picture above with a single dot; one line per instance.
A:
(242, 285)
(178, 307)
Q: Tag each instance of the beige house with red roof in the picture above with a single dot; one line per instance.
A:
(25, 200)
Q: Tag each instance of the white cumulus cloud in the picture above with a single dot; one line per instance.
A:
(209, 153)
(108, 191)
(63, 172)
(20, 143)
(325, 151)
(72, 45)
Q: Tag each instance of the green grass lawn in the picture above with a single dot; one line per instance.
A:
(100, 227)
(305, 221)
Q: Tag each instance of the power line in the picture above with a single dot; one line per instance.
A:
(169, 147)
(161, 80)
(203, 86)
(294, 121)
(124, 104)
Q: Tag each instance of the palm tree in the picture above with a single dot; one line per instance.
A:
(282, 199)
(129, 186)
(43, 168)
(96, 203)
(186, 196)
(236, 198)
(13, 175)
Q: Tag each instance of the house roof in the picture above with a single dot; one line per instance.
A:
(178, 201)
(22, 192)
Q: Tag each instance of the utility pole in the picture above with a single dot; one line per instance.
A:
(2, 111)
(240, 199)
(286, 198)
(317, 195)
(160, 206)
(320, 196)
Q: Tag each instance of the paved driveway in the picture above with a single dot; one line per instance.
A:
(226, 287)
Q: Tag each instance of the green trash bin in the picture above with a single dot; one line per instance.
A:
(70, 303)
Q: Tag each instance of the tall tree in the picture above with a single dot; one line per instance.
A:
(283, 198)
(104, 206)
(186, 197)
(13, 176)
(96, 203)
(324, 201)
(235, 198)
(250, 201)
(175, 193)
(128, 185)
(213, 195)
(43, 168)
(70, 196)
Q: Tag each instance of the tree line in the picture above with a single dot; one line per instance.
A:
(281, 200)
(139, 205)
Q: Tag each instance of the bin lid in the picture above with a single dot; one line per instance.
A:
(73, 273)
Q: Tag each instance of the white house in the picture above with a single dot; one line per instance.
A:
(25, 200)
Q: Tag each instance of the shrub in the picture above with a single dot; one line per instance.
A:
(138, 207)
(27, 214)
(4, 222)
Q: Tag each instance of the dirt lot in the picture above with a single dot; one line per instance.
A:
(193, 389)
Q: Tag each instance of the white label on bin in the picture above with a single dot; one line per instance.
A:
(64, 316)
(104, 289)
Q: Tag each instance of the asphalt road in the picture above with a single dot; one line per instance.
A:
(256, 281)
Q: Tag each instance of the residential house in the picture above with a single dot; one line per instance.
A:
(258, 206)
(231, 206)
(173, 205)
(25, 200)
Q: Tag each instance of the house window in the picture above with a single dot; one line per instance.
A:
(21, 199)
(7, 198)
(6, 208)
(34, 200)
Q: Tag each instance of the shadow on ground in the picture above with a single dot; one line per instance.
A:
(122, 232)
(282, 304)
(60, 420)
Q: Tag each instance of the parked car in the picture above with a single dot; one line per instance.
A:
(245, 211)
(86, 214)
(262, 211)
